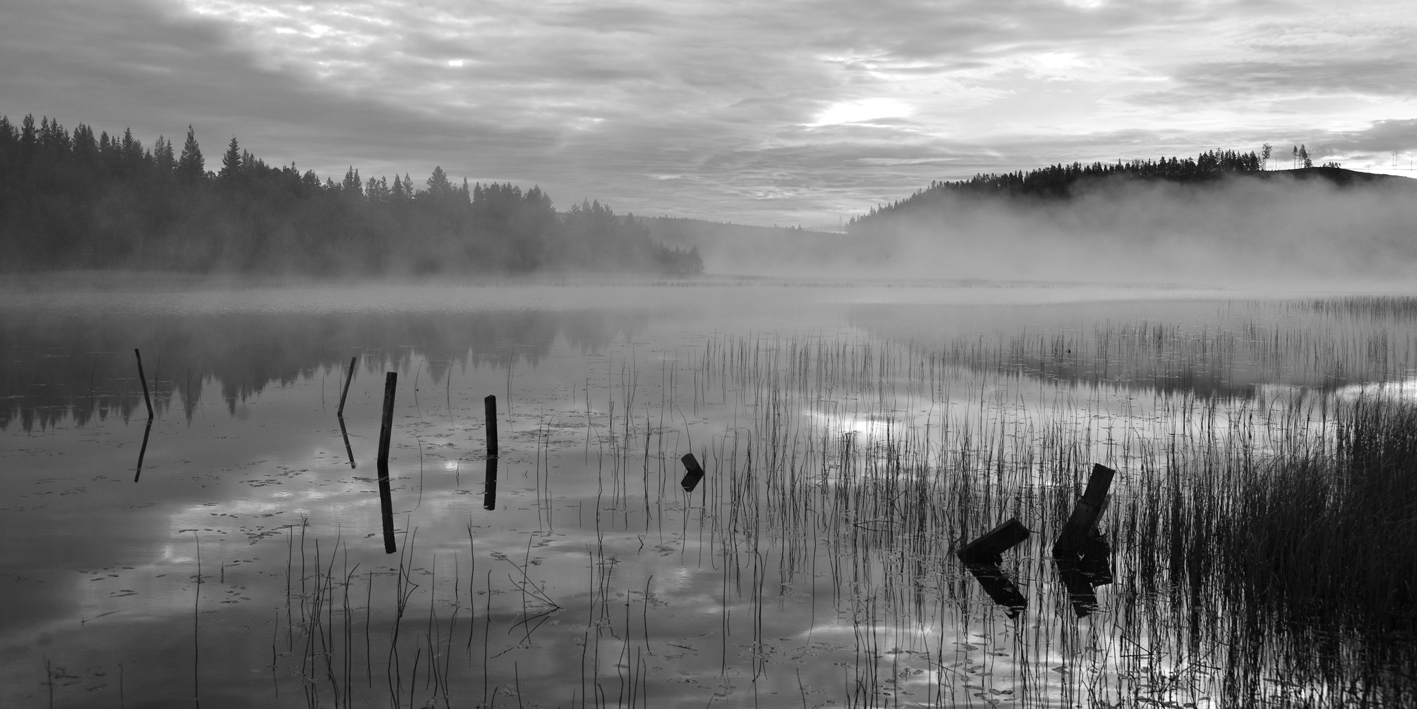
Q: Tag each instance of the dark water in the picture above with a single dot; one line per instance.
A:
(244, 562)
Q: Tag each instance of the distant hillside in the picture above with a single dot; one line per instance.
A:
(1064, 182)
(1217, 218)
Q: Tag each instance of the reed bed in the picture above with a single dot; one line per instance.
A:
(1260, 540)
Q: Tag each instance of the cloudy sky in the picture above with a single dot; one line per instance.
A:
(752, 112)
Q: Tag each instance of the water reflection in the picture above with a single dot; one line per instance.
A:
(69, 367)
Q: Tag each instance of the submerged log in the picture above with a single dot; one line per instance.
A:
(989, 548)
(1083, 521)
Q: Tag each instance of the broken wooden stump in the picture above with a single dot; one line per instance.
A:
(1083, 521)
(989, 548)
(694, 473)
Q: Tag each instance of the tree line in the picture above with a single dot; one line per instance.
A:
(1060, 181)
(77, 200)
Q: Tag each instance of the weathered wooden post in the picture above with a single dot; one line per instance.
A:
(143, 378)
(348, 377)
(1089, 508)
(989, 548)
(694, 473)
(386, 431)
(490, 406)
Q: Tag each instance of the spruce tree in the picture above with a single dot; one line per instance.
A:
(230, 161)
(191, 165)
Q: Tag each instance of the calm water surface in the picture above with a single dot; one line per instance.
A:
(244, 562)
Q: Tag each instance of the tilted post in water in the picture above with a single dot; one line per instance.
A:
(1085, 514)
(143, 378)
(348, 377)
(694, 473)
(490, 405)
(386, 430)
(989, 548)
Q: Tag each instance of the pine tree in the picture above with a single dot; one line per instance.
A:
(163, 156)
(191, 165)
(230, 161)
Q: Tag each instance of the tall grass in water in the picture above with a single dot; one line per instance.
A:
(1261, 543)
(1321, 553)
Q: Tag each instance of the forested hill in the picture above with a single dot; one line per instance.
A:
(76, 200)
(1062, 182)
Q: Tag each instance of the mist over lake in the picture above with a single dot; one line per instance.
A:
(853, 436)
(1057, 353)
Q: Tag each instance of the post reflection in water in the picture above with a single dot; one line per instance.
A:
(1082, 573)
(142, 452)
(386, 429)
(345, 434)
(489, 495)
(999, 587)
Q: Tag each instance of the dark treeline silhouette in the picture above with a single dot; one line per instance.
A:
(77, 367)
(73, 199)
(1062, 181)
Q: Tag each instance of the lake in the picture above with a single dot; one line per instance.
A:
(853, 435)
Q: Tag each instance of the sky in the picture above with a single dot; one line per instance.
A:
(768, 113)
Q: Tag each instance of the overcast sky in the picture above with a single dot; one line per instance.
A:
(754, 112)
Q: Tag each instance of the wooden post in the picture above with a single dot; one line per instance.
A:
(694, 473)
(348, 377)
(143, 378)
(1085, 513)
(386, 430)
(989, 548)
(490, 406)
